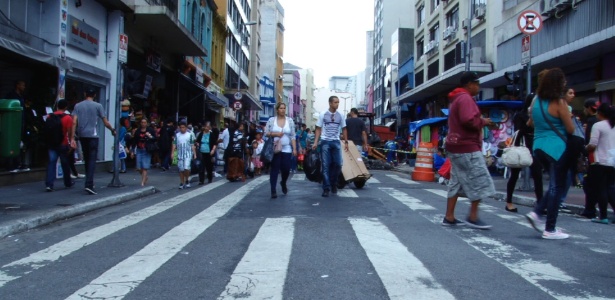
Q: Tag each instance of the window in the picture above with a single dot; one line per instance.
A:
(477, 3)
(452, 18)
(420, 48)
(201, 29)
(420, 15)
(434, 33)
(193, 21)
(434, 5)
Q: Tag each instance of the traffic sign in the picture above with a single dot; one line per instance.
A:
(525, 49)
(237, 105)
(238, 96)
(123, 49)
(529, 22)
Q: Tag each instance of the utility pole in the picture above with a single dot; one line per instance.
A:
(469, 36)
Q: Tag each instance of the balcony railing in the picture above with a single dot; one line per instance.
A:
(170, 4)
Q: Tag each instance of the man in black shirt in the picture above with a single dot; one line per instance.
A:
(356, 130)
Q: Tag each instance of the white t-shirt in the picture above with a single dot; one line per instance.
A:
(183, 143)
(225, 139)
(603, 137)
(331, 125)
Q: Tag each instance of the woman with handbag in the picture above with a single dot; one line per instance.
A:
(602, 171)
(524, 136)
(144, 142)
(282, 130)
(551, 120)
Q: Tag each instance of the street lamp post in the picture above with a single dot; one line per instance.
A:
(240, 65)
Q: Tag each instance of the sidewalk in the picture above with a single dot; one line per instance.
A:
(28, 205)
(575, 200)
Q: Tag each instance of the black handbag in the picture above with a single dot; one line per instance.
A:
(268, 151)
(151, 146)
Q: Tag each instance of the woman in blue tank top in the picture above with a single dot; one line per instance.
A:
(551, 120)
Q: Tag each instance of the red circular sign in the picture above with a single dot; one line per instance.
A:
(237, 105)
(529, 22)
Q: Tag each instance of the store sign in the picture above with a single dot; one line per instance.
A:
(198, 77)
(123, 49)
(83, 36)
(63, 29)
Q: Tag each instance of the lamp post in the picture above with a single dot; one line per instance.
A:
(345, 110)
(240, 65)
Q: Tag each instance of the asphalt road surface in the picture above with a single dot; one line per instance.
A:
(231, 241)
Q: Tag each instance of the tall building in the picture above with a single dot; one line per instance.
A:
(292, 90)
(306, 77)
(271, 51)
(389, 15)
(238, 46)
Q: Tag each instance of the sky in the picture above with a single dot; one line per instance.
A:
(327, 36)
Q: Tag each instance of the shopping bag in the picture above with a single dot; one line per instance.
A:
(267, 153)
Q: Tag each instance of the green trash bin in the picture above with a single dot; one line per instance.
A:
(10, 127)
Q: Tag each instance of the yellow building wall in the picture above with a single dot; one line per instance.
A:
(279, 70)
(218, 47)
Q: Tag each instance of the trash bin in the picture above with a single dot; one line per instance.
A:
(10, 127)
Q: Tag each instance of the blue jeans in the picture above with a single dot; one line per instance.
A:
(60, 152)
(89, 146)
(279, 164)
(331, 162)
(558, 170)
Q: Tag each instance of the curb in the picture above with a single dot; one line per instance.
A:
(529, 201)
(54, 215)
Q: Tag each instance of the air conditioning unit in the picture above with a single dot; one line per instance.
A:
(561, 4)
(480, 11)
(547, 7)
(464, 24)
(448, 33)
(429, 47)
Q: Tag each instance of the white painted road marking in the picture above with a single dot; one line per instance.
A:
(373, 180)
(533, 271)
(400, 271)
(52, 253)
(404, 180)
(298, 177)
(347, 193)
(261, 273)
(124, 277)
(411, 202)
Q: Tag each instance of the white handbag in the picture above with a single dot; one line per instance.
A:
(517, 156)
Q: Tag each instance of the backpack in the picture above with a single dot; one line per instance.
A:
(54, 135)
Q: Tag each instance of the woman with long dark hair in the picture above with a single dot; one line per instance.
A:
(282, 129)
(551, 120)
(141, 137)
(525, 135)
(602, 171)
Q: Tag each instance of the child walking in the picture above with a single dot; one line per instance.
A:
(186, 152)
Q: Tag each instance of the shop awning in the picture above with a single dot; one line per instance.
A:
(249, 102)
(444, 82)
(33, 53)
(160, 23)
(605, 85)
(216, 99)
(414, 126)
(500, 103)
(391, 114)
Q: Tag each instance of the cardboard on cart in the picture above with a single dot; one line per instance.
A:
(353, 167)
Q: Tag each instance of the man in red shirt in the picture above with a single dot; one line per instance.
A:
(61, 150)
(464, 143)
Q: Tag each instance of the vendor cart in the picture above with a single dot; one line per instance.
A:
(353, 168)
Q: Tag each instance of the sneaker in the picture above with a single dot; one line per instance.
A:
(325, 193)
(601, 221)
(49, 189)
(181, 186)
(14, 171)
(535, 221)
(187, 185)
(80, 176)
(455, 222)
(73, 176)
(478, 224)
(555, 235)
(90, 191)
(25, 169)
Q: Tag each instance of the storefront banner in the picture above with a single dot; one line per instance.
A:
(61, 83)
(83, 36)
(63, 29)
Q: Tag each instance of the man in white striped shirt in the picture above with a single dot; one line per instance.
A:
(329, 124)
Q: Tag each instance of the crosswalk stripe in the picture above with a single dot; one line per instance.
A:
(411, 202)
(404, 180)
(52, 253)
(124, 277)
(373, 180)
(347, 193)
(522, 264)
(401, 272)
(261, 273)
(298, 177)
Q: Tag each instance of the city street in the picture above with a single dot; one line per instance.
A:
(229, 240)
